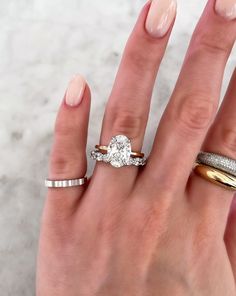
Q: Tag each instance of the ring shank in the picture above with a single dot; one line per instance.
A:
(65, 183)
(216, 176)
(104, 149)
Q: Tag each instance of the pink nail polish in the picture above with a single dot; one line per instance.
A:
(226, 8)
(160, 17)
(75, 91)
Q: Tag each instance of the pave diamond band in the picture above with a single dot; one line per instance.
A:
(217, 161)
(119, 153)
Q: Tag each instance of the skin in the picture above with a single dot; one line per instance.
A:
(159, 230)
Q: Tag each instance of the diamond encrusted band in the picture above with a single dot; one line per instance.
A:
(65, 183)
(218, 161)
(119, 153)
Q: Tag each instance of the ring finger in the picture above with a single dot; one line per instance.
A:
(128, 107)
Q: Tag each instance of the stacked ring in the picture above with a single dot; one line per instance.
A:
(216, 176)
(218, 161)
(104, 149)
(217, 169)
(118, 153)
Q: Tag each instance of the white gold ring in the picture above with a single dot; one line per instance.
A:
(65, 183)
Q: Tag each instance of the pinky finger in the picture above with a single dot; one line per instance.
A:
(68, 158)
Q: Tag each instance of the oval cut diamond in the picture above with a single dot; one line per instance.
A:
(119, 151)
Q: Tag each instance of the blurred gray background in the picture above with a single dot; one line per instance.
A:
(42, 45)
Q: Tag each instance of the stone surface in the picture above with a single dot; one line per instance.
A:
(42, 45)
(119, 150)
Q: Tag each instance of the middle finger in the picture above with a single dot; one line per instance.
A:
(194, 102)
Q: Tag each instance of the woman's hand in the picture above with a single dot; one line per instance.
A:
(159, 230)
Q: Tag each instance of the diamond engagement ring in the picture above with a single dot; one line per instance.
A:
(118, 153)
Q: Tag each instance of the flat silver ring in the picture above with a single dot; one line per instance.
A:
(65, 183)
(217, 161)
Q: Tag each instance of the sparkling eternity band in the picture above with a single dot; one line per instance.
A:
(119, 153)
(223, 163)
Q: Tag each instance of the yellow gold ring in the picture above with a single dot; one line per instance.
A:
(103, 149)
(216, 176)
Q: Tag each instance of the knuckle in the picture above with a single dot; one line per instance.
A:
(229, 139)
(128, 123)
(213, 46)
(66, 127)
(66, 164)
(194, 113)
(212, 43)
(58, 164)
(140, 60)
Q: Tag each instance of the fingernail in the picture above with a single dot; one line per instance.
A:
(160, 17)
(226, 8)
(75, 91)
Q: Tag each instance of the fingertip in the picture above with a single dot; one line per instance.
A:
(160, 17)
(75, 92)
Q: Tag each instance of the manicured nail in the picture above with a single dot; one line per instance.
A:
(160, 17)
(75, 91)
(226, 8)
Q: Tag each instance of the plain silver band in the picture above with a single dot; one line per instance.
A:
(65, 183)
(217, 161)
